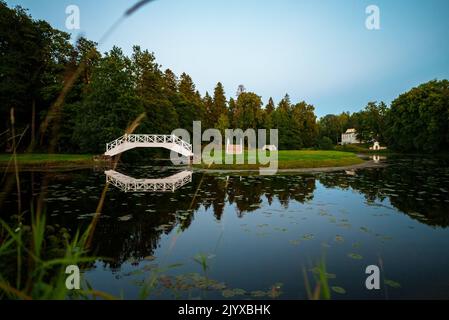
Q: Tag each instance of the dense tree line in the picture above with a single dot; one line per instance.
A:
(112, 90)
(417, 121)
(370, 124)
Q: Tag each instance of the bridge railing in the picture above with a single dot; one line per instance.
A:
(129, 184)
(148, 138)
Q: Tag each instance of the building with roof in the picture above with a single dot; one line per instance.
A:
(349, 137)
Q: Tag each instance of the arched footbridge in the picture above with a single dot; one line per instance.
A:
(131, 141)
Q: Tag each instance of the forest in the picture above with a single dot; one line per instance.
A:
(105, 92)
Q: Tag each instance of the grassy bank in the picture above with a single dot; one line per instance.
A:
(38, 160)
(287, 159)
(295, 159)
(362, 148)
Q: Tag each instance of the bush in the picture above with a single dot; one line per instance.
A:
(352, 148)
(325, 143)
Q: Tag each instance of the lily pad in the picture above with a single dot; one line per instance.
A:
(228, 293)
(364, 229)
(356, 245)
(338, 290)
(258, 294)
(308, 236)
(355, 256)
(239, 292)
(218, 285)
(392, 284)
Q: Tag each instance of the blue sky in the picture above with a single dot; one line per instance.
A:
(317, 51)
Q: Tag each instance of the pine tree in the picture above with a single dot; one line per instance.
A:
(282, 121)
(190, 106)
(219, 107)
(208, 103)
(170, 82)
(267, 114)
(223, 123)
(231, 113)
(187, 88)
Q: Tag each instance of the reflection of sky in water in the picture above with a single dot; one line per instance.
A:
(261, 231)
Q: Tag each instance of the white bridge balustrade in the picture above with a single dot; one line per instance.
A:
(131, 141)
(129, 184)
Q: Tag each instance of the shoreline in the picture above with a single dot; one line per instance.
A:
(79, 162)
(366, 164)
(85, 163)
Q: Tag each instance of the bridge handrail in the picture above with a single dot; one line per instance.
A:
(127, 183)
(148, 138)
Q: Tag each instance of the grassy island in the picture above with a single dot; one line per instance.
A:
(296, 159)
(287, 159)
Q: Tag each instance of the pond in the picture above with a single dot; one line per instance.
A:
(243, 236)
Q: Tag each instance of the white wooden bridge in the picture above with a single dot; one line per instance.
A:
(129, 184)
(131, 141)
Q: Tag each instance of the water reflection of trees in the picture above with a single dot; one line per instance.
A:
(140, 236)
(247, 193)
(415, 188)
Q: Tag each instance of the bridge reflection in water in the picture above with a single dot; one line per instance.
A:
(129, 184)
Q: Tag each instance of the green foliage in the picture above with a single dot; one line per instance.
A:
(281, 120)
(189, 105)
(46, 159)
(247, 111)
(352, 148)
(321, 289)
(293, 159)
(33, 54)
(419, 119)
(109, 107)
(332, 126)
(369, 123)
(325, 143)
(218, 107)
(223, 123)
(33, 260)
(113, 90)
(267, 115)
(296, 123)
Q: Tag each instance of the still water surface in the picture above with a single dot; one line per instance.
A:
(237, 236)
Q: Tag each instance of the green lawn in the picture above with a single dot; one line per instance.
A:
(287, 159)
(297, 159)
(44, 159)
